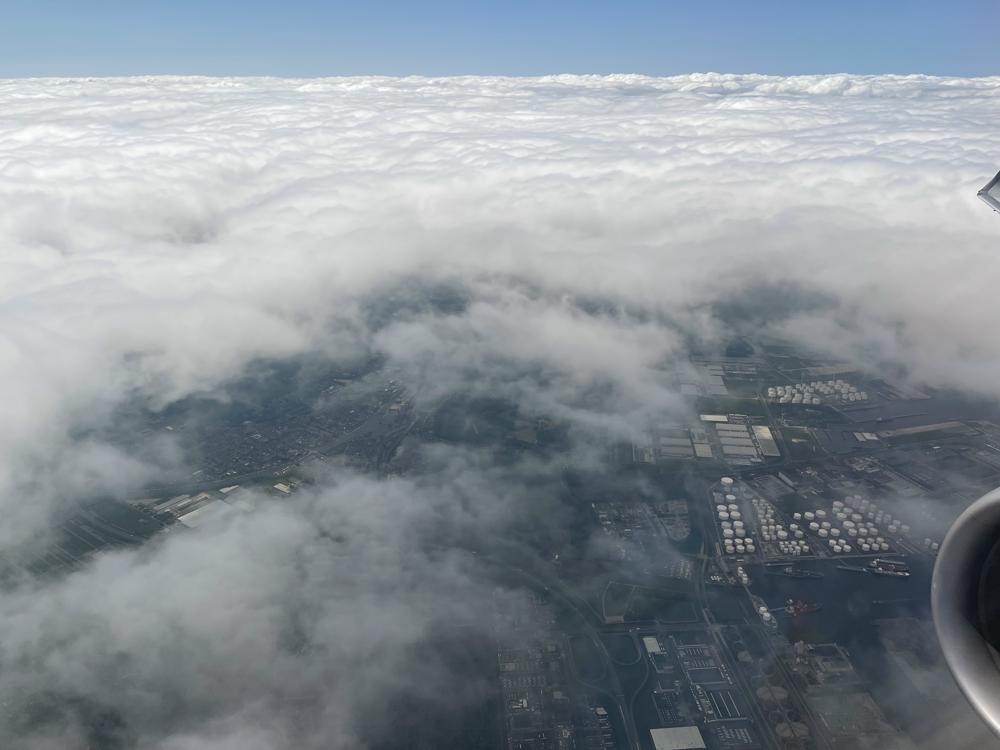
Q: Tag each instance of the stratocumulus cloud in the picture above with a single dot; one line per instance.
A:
(158, 235)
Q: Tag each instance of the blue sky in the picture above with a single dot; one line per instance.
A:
(121, 37)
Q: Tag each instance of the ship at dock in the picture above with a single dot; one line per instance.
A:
(792, 572)
(880, 567)
(797, 607)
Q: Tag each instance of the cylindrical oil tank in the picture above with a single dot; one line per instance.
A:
(794, 732)
(772, 696)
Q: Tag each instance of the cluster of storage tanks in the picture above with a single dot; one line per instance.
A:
(736, 539)
(873, 518)
(742, 577)
(852, 528)
(790, 541)
(765, 615)
(816, 392)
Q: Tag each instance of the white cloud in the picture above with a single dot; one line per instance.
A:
(159, 234)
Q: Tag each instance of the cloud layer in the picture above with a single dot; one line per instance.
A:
(161, 235)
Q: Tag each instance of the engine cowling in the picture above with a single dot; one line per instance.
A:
(965, 599)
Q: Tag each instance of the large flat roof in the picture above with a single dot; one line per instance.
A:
(678, 738)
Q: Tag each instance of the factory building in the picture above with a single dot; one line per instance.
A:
(677, 738)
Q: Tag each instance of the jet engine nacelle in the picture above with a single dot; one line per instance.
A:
(965, 598)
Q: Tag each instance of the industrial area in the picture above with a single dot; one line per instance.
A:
(748, 577)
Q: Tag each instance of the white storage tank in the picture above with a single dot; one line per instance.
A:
(813, 526)
(728, 533)
(723, 515)
(824, 533)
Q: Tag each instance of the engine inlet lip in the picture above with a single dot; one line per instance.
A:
(956, 603)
